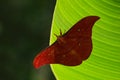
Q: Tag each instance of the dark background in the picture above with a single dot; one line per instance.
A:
(24, 31)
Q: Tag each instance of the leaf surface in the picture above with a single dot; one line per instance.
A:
(104, 62)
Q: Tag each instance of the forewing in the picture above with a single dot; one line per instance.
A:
(78, 41)
(45, 57)
(82, 28)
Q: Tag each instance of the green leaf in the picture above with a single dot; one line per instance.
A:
(104, 62)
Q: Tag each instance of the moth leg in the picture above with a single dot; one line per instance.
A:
(59, 35)
(56, 35)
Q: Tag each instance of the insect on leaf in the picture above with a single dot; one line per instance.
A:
(71, 48)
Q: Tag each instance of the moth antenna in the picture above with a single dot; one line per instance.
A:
(60, 32)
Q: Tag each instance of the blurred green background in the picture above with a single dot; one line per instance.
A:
(24, 31)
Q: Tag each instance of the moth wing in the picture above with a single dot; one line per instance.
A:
(76, 54)
(64, 54)
(55, 54)
(78, 43)
(81, 34)
(46, 56)
(84, 48)
(82, 28)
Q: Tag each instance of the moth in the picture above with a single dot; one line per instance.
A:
(71, 48)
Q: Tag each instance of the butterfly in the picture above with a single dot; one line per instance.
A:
(71, 48)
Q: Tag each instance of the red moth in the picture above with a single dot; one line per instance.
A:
(71, 48)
